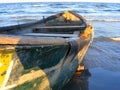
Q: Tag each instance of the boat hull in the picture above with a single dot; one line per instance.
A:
(48, 65)
(36, 61)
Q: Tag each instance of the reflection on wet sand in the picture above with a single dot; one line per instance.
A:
(79, 81)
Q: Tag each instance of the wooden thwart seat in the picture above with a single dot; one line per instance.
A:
(59, 27)
(51, 35)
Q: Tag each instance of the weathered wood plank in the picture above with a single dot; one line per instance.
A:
(59, 27)
(50, 35)
(9, 39)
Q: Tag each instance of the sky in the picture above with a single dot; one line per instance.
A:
(11, 1)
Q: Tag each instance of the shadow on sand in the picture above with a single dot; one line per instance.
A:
(78, 82)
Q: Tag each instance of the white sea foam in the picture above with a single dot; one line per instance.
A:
(116, 38)
(39, 5)
(105, 20)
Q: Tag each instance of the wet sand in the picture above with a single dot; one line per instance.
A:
(100, 79)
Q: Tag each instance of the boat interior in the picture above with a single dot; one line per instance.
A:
(66, 24)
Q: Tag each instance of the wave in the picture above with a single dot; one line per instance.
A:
(117, 10)
(40, 5)
(116, 38)
(112, 39)
(105, 20)
(19, 17)
(1, 12)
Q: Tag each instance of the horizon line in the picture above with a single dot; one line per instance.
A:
(60, 1)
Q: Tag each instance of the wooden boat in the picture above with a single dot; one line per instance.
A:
(44, 54)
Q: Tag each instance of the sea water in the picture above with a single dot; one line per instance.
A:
(103, 57)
